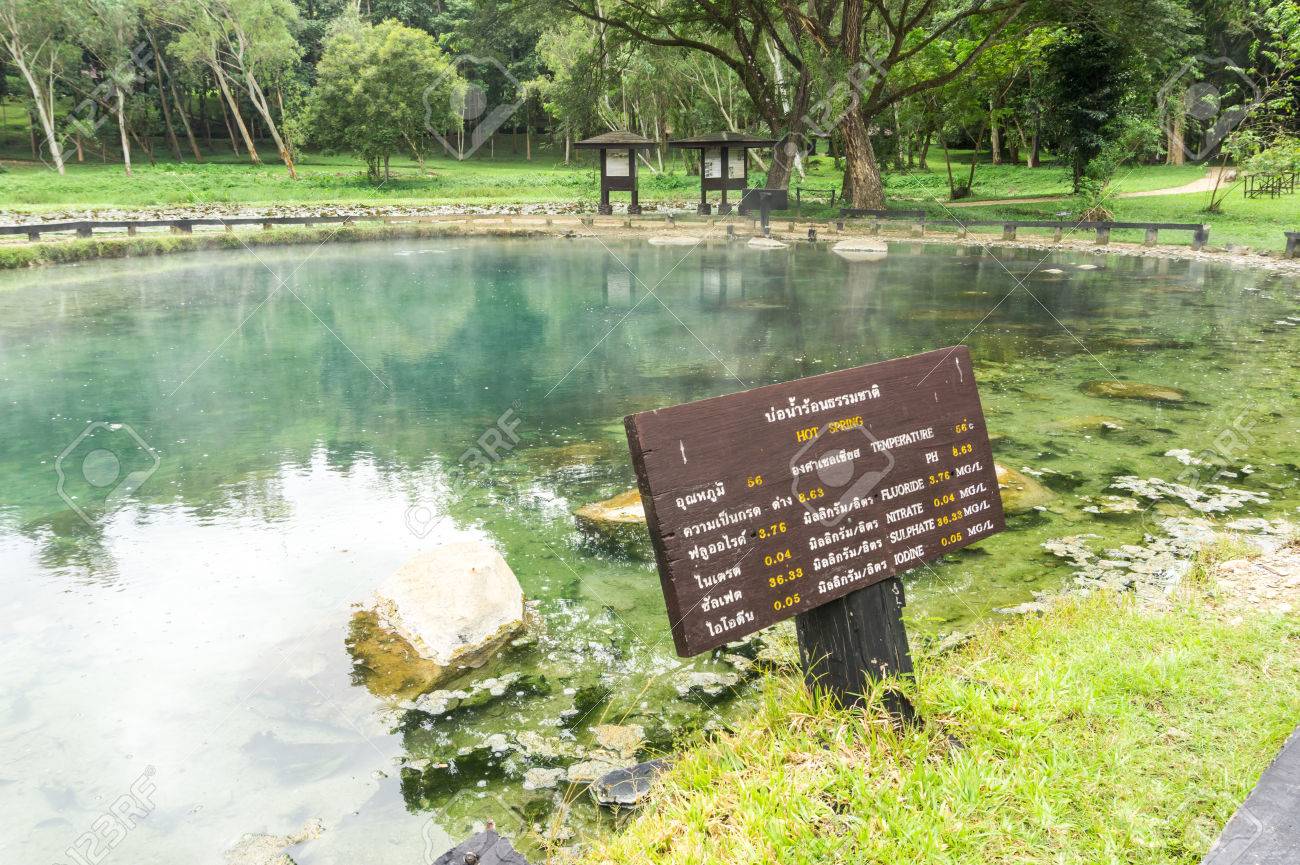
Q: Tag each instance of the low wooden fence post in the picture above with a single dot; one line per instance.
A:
(850, 642)
(1152, 235)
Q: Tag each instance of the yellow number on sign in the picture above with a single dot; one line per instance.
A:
(776, 558)
(772, 530)
(814, 493)
(755, 481)
(790, 601)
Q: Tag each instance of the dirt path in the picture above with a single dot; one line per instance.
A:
(1204, 184)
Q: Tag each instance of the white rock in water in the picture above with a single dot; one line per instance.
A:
(1052, 270)
(861, 249)
(766, 243)
(674, 240)
(455, 605)
(1087, 266)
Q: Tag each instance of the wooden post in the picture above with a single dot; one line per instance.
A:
(1103, 235)
(848, 643)
(1056, 234)
(1200, 237)
(1152, 235)
(723, 207)
(1008, 232)
(84, 230)
(604, 208)
(635, 207)
(704, 209)
(33, 235)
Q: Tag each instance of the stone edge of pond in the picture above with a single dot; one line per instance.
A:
(26, 254)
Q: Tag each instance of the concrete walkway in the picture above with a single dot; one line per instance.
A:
(1204, 184)
(1266, 828)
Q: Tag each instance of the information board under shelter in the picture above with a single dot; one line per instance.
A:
(770, 502)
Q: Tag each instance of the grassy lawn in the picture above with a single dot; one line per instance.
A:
(28, 186)
(1093, 734)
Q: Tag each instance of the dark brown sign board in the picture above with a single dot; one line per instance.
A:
(770, 502)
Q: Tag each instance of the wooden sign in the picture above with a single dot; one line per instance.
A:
(771, 502)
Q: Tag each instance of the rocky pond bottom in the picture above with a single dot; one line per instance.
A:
(191, 588)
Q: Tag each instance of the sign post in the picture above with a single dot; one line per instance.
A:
(809, 499)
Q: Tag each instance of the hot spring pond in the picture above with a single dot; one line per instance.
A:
(309, 410)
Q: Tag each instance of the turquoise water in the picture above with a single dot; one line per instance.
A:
(288, 427)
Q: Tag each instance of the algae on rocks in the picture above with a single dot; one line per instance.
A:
(617, 524)
(442, 613)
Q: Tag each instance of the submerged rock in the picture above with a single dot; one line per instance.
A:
(861, 249)
(766, 243)
(1207, 499)
(675, 240)
(618, 523)
(587, 771)
(702, 686)
(1099, 422)
(452, 608)
(261, 849)
(628, 787)
(1133, 390)
(1020, 493)
(543, 779)
(623, 740)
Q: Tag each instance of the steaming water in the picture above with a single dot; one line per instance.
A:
(300, 414)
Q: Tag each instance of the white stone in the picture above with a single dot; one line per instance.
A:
(675, 240)
(456, 604)
(542, 779)
(861, 249)
(766, 243)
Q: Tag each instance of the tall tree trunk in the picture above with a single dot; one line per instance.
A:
(185, 121)
(1035, 153)
(44, 112)
(258, 98)
(120, 103)
(239, 118)
(861, 173)
(995, 134)
(230, 130)
(1174, 152)
(925, 150)
(172, 141)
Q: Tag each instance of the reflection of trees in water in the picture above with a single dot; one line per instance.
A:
(455, 336)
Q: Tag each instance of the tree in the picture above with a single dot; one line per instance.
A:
(33, 34)
(379, 89)
(107, 31)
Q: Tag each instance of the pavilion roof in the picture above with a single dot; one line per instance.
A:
(618, 139)
(714, 139)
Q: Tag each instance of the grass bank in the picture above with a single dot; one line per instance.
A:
(29, 187)
(89, 249)
(1093, 734)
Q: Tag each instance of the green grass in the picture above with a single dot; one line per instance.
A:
(1093, 734)
(28, 186)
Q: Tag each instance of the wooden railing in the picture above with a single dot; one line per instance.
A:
(921, 218)
(86, 227)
